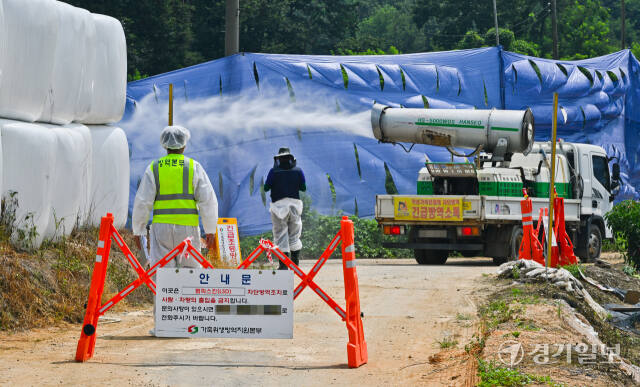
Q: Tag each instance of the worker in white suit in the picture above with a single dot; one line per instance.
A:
(285, 181)
(178, 191)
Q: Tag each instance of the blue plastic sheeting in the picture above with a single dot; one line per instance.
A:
(237, 152)
(595, 97)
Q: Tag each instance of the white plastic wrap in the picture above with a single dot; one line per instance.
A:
(3, 41)
(109, 72)
(76, 32)
(31, 29)
(72, 178)
(85, 158)
(28, 163)
(110, 177)
(85, 94)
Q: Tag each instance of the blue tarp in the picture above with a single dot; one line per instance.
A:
(596, 98)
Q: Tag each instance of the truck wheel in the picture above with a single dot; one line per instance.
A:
(431, 257)
(515, 239)
(593, 244)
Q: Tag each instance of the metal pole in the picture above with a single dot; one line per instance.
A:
(554, 27)
(232, 28)
(622, 30)
(495, 19)
(170, 104)
(552, 178)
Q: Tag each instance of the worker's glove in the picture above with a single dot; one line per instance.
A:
(138, 242)
(211, 241)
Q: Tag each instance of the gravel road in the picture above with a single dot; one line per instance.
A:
(408, 309)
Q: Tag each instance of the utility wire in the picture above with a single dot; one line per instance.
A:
(510, 27)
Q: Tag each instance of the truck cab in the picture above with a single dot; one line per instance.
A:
(596, 186)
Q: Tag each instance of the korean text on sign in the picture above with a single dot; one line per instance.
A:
(434, 209)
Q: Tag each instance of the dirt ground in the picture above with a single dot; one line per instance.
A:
(408, 310)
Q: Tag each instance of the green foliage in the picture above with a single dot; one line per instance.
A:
(447, 342)
(618, 245)
(507, 37)
(573, 269)
(492, 374)
(463, 317)
(584, 30)
(389, 25)
(391, 51)
(471, 39)
(624, 220)
(635, 49)
(497, 312)
(21, 233)
(164, 35)
(524, 47)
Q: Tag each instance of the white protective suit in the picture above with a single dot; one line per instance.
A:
(164, 237)
(287, 223)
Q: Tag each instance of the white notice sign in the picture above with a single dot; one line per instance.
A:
(224, 303)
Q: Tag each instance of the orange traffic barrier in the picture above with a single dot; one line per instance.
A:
(357, 346)
(87, 342)
(530, 247)
(565, 254)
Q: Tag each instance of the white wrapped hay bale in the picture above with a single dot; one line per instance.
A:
(31, 29)
(85, 159)
(110, 177)
(76, 35)
(28, 164)
(85, 94)
(109, 72)
(3, 41)
(72, 178)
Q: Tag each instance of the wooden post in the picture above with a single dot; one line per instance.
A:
(552, 178)
(554, 27)
(170, 104)
(622, 27)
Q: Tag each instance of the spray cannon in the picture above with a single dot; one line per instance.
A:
(499, 132)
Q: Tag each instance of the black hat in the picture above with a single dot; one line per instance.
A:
(283, 152)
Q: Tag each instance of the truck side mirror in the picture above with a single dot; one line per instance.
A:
(615, 172)
(615, 180)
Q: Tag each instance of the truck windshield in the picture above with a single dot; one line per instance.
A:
(601, 171)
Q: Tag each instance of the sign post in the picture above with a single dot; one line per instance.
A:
(227, 251)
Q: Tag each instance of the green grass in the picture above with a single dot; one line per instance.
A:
(447, 342)
(498, 312)
(526, 325)
(492, 374)
(573, 269)
(463, 317)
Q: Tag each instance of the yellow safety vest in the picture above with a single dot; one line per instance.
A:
(175, 202)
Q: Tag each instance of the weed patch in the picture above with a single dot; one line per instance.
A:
(492, 374)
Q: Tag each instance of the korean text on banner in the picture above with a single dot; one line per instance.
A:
(229, 241)
(430, 209)
(224, 303)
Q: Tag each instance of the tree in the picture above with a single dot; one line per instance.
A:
(506, 37)
(470, 40)
(524, 47)
(584, 30)
(387, 26)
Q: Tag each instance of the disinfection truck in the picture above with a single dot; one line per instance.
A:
(473, 208)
